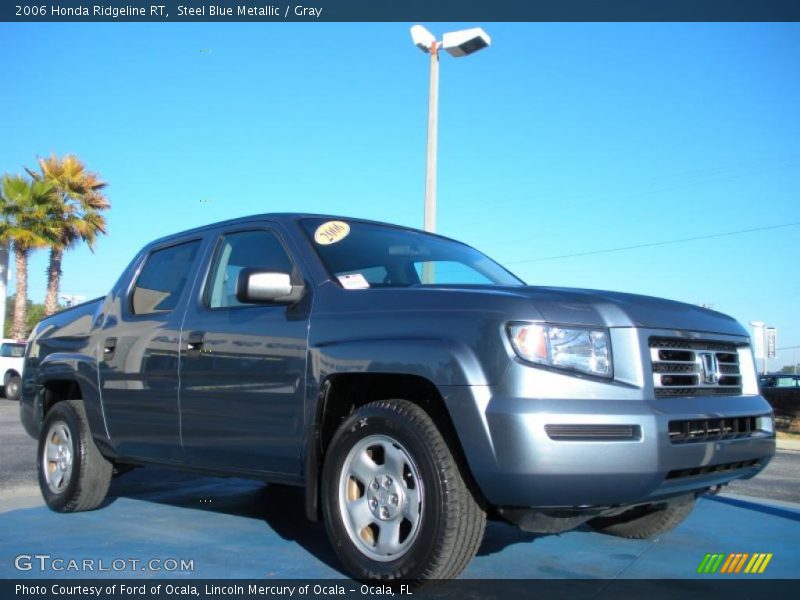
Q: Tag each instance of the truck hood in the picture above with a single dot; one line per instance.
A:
(617, 309)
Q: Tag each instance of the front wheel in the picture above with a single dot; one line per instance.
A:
(396, 505)
(647, 521)
(73, 475)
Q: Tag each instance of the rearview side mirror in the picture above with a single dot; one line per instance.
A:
(258, 287)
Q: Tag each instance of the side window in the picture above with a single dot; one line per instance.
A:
(254, 249)
(12, 350)
(163, 278)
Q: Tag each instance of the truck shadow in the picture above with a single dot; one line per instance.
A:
(777, 511)
(280, 507)
(500, 535)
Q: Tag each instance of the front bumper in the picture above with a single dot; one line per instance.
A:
(516, 463)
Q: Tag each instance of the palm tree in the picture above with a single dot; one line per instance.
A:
(24, 223)
(77, 202)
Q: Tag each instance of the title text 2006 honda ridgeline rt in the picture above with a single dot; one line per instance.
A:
(408, 382)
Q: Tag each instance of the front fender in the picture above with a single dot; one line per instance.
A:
(442, 362)
(451, 366)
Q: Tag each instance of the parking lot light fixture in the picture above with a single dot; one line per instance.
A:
(457, 43)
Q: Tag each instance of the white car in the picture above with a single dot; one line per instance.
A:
(12, 357)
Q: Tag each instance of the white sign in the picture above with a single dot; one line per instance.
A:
(772, 342)
(758, 339)
(354, 281)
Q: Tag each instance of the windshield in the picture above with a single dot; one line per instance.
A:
(361, 255)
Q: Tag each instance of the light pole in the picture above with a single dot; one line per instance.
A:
(794, 356)
(3, 286)
(457, 44)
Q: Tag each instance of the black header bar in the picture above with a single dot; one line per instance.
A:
(398, 10)
(710, 588)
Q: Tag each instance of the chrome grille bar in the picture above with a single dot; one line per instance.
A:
(694, 367)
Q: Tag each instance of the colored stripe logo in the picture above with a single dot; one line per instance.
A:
(735, 562)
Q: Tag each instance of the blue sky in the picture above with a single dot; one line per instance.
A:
(559, 139)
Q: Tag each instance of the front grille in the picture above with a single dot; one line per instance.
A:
(698, 471)
(695, 368)
(709, 430)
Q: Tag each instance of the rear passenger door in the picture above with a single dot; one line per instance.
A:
(138, 353)
(243, 367)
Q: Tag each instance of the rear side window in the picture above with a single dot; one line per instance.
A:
(12, 350)
(163, 278)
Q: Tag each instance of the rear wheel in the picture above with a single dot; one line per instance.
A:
(395, 503)
(647, 521)
(12, 387)
(73, 475)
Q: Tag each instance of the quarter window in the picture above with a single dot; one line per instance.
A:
(163, 278)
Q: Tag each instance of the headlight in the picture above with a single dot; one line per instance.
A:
(572, 348)
(766, 423)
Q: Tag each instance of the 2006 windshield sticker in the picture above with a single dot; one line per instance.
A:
(331, 232)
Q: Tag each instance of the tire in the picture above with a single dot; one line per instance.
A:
(73, 475)
(13, 387)
(389, 460)
(643, 522)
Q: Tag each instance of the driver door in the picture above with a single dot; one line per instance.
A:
(242, 371)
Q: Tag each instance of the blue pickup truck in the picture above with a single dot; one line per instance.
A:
(412, 386)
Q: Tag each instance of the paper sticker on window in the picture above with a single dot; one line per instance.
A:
(354, 281)
(331, 232)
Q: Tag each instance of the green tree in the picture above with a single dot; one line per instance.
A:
(25, 224)
(35, 313)
(76, 210)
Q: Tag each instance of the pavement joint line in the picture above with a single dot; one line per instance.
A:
(635, 559)
(616, 576)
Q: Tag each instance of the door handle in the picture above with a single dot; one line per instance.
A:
(109, 347)
(194, 344)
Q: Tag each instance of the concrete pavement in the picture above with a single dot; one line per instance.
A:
(232, 528)
(786, 444)
(237, 528)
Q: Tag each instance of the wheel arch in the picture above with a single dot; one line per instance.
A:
(69, 376)
(342, 393)
(9, 374)
(49, 391)
(58, 390)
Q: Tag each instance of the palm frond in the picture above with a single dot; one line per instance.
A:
(75, 201)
